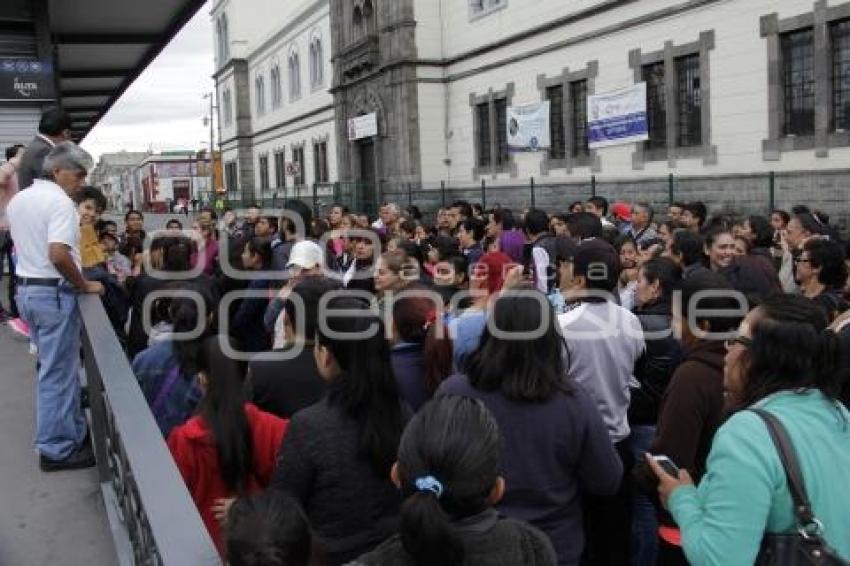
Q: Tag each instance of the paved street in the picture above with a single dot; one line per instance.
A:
(46, 519)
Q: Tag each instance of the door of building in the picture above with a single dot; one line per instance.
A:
(368, 177)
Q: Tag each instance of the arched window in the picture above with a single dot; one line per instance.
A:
(225, 39)
(228, 107)
(316, 62)
(277, 89)
(219, 42)
(294, 75)
(260, 87)
(369, 17)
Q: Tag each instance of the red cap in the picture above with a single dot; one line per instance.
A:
(622, 211)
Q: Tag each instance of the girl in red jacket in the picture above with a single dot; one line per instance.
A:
(229, 449)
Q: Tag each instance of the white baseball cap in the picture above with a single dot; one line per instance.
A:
(306, 254)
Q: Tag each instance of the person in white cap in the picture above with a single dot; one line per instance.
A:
(305, 259)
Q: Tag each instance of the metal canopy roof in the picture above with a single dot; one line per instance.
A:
(104, 45)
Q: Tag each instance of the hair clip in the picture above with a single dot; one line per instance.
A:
(429, 483)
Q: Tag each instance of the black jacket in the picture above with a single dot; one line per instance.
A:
(351, 508)
(488, 540)
(655, 367)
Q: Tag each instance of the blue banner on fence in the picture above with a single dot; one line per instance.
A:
(617, 117)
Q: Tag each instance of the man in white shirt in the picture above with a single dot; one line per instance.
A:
(46, 230)
(604, 342)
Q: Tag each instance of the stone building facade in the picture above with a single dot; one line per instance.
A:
(737, 90)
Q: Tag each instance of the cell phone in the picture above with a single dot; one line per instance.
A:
(667, 465)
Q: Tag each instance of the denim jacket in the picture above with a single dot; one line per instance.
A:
(172, 396)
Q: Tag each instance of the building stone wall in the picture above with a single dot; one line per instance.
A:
(374, 72)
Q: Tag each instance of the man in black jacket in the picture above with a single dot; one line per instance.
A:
(54, 127)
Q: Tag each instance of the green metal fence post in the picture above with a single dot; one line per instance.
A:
(593, 185)
(670, 198)
(443, 193)
(772, 187)
(532, 193)
(316, 199)
(483, 194)
(410, 194)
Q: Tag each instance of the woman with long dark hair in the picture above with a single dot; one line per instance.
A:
(338, 453)
(556, 445)
(783, 363)
(229, 448)
(167, 370)
(448, 472)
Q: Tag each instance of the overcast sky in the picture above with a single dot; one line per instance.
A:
(164, 108)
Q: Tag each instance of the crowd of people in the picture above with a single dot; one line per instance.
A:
(481, 387)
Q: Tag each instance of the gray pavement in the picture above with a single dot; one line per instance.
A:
(45, 519)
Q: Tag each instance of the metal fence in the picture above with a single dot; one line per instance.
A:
(756, 193)
(151, 513)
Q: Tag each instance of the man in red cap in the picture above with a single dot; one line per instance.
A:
(621, 214)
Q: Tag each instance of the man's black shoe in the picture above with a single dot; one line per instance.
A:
(82, 457)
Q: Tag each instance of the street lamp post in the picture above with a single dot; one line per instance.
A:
(211, 96)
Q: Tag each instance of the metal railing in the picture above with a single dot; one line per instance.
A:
(736, 194)
(151, 513)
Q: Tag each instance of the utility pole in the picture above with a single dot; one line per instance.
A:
(211, 96)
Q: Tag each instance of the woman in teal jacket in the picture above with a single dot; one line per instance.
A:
(783, 362)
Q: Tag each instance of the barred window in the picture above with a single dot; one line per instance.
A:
(279, 169)
(578, 94)
(230, 176)
(500, 106)
(483, 111)
(264, 172)
(798, 80)
(298, 159)
(320, 162)
(689, 101)
(840, 35)
(656, 111)
(555, 96)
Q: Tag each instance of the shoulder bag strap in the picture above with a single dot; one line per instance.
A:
(793, 474)
(165, 390)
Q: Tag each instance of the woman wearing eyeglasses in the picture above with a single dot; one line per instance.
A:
(691, 409)
(784, 363)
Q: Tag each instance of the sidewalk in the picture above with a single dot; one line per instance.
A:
(55, 518)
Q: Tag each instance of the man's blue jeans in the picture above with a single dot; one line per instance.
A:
(54, 322)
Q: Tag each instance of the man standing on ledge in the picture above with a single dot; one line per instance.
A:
(46, 230)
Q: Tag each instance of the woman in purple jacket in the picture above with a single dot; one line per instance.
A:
(555, 445)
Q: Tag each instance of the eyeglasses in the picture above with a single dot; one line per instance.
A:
(802, 260)
(742, 340)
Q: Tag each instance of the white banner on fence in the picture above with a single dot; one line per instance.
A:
(617, 117)
(362, 126)
(528, 126)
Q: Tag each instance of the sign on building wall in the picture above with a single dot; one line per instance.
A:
(362, 126)
(617, 117)
(26, 80)
(528, 126)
